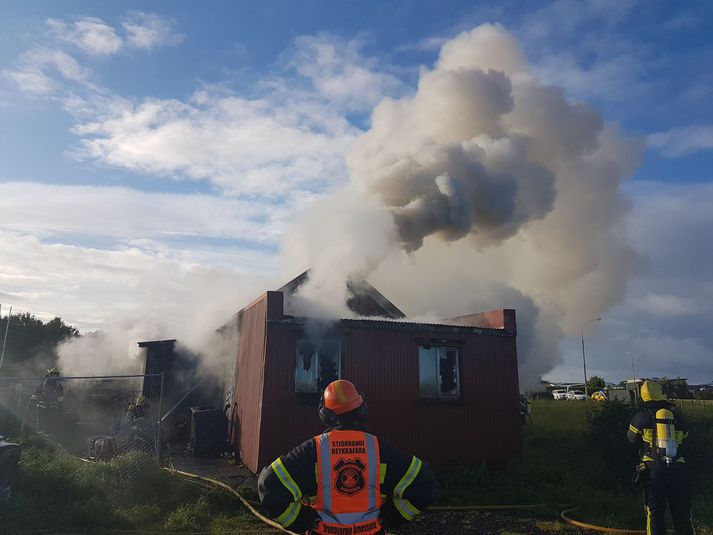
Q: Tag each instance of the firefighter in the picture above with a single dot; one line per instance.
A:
(525, 409)
(345, 480)
(659, 429)
(46, 401)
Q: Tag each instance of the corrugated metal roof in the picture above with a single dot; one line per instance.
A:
(406, 325)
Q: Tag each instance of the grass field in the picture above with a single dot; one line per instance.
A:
(58, 493)
(575, 453)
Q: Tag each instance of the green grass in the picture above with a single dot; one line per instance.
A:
(60, 493)
(576, 453)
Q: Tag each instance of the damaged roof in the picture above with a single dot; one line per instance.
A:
(363, 299)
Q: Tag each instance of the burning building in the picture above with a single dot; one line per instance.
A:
(446, 391)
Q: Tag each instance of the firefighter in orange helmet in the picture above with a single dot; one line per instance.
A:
(345, 480)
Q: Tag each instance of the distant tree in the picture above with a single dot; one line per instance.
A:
(676, 388)
(31, 343)
(595, 383)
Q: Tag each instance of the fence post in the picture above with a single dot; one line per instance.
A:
(160, 401)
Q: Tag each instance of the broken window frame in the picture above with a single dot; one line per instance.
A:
(435, 387)
(316, 383)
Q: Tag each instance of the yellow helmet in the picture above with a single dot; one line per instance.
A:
(652, 391)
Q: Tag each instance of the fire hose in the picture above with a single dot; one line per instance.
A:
(564, 515)
(235, 493)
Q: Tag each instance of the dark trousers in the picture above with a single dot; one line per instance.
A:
(667, 484)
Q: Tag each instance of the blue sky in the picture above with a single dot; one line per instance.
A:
(257, 105)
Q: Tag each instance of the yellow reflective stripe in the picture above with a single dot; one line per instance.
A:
(289, 515)
(286, 479)
(648, 436)
(406, 508)
(408, 478)
(648, 520)
(382, 471)
(633, 429)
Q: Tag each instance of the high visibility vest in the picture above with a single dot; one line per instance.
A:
(348, 497)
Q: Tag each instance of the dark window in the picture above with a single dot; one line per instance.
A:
(318, 364)
(438, 371)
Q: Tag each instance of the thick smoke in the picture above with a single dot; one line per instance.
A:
(499, 192)
(189, 305)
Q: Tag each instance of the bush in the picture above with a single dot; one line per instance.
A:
(607, 425)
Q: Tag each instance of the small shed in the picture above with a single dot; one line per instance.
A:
(174, 380)
(448, 392)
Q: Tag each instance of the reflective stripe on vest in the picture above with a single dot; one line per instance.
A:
(403, 506)
(348, 482)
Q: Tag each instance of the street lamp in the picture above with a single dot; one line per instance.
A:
(633, 372)
(584, 360)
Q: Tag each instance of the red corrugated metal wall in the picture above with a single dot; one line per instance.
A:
(250, 354)
(383, 362)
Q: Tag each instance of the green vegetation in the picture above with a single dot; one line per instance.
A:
(595, 383)
(31, 343)
(60, 493)
(576, 453)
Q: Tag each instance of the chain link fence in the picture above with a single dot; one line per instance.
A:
(95, 418)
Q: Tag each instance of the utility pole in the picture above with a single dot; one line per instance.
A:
(584, 360)
(633, 373)
(7, 327)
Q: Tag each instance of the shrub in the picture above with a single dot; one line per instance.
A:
(607, 424)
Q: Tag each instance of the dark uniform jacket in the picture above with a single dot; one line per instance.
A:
(641, 428)
(397, 469)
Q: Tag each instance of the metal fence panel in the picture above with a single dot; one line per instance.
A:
(99, 418)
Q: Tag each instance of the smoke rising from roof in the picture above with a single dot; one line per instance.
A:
(484, 189)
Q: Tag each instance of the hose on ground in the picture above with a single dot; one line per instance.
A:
(232, 491)
(564, 515)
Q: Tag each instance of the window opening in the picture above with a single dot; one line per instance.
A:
(317, 365)
(438, 371)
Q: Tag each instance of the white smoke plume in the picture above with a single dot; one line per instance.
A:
(484, 189)
(189, 305)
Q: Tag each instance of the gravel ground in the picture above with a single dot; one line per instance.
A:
(477, 522)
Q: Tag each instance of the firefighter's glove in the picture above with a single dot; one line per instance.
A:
(641, 474)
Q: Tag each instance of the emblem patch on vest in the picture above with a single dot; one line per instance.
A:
(350, 476)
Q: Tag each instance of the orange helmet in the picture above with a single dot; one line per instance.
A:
(341, 396)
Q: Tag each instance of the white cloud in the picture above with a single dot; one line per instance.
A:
(580, 46)
(149, 30)
(90, 34)
(36, 70)
(341, 73)
(271, 146)
(90, 213)
(92, 287)
(683, 140)
(97, 38)
(614, 77)
(666, 305)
